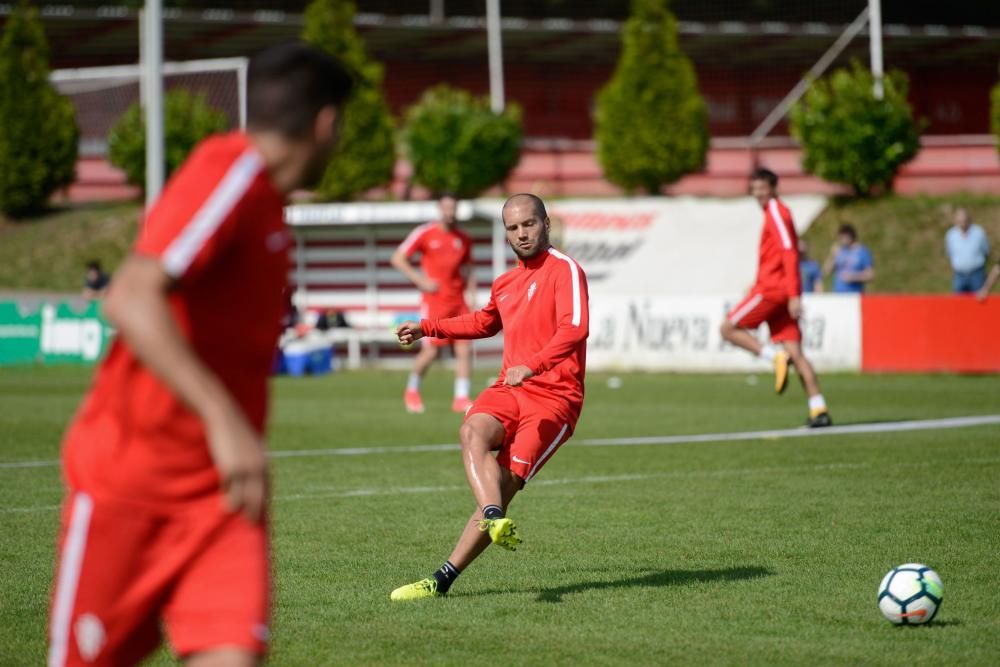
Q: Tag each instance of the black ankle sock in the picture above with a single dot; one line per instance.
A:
(446, 576)
(493, 512)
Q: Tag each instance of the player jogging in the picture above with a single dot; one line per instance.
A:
(164, 519)
(776, 299)
(446, 262)
(541, 306)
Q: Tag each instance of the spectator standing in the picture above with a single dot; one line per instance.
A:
(809, 269)
(849, 262)
(968, 250)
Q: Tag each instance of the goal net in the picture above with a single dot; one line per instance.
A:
(100, 95)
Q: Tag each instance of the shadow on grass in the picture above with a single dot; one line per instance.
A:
(655, 579)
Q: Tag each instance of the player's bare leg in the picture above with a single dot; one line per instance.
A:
(743, 338)
(473, 541)
(425, 357)
(223, 657)
(463, 368)
(479, 435)
(818, 413)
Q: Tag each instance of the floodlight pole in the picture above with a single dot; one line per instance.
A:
(875, 45)
(152, 86)
(495, 44)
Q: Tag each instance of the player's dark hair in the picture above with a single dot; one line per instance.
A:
(288, 85)
(536, 203)
(94, 265)
(764, 174)
(848, 230)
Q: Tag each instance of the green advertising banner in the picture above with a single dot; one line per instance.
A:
(52, 333)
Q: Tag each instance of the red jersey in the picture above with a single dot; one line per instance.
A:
(218, 229)
(778, 264)
(444, 254)
(542, 308)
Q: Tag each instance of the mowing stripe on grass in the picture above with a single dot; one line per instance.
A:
(802, 432)
(368, 492)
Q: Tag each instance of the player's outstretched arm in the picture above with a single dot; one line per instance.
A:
(137, 306)
(480, 324)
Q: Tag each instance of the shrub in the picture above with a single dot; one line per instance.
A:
(995, 113)
(456, 143)
(365, 156)
(187, 119)
(850, 137)
(651, 124)
(38, 131)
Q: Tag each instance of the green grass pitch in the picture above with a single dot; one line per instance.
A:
(763, 552)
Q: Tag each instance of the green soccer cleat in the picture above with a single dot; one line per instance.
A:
(425, 588)
(503, 532)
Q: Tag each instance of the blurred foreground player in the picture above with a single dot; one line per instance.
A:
(776, 299)
(542, 308)
(164, 519)
(446, 273)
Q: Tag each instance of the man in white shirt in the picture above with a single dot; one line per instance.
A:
(968, 249)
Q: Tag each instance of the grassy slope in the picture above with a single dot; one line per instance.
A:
(50, 253)
(905, 235)
(753, 553)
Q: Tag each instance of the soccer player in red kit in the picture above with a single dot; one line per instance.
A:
(541, 306)
(164, 519)
(446, 265)
(776, 299)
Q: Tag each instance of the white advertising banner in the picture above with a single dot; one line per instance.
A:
(670, 246)
(681, 333)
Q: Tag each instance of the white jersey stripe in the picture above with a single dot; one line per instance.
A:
(545, 455)
(70, 563)
(574, 272)
(414, 236)
(786, 239)
(747, 307)
(233, 186)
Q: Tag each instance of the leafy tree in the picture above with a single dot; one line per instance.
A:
(457, 144)
(38, 131)
(850, 137)
(187, 119)
(366, 154)
(651, 123)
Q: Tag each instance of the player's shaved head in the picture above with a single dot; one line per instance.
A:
(526, 198)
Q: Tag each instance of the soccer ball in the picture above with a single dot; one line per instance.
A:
(910, 594)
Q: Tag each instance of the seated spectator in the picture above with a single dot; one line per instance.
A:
(96, 282)
(849, 262)
(812, 275)
(968, 250)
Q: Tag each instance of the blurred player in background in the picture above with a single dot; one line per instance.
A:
(164, 521)
(542, 308)
(445, 276)
(776, 299)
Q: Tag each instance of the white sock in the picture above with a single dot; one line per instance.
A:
(413, 384)
(767, 352)
(462, 387)
(817, 402)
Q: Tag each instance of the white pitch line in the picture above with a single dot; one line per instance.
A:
(801, 432)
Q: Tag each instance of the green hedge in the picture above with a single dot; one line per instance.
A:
(188, 118)
(651, 124)
(456, 143)
(38, 131)
(850, 137)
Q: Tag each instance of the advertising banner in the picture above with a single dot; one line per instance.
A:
(52, 333)
(678, 333)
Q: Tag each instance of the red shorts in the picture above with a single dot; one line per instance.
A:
(533, 430)
(758, 308)
(438, 310)
(204, 573)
